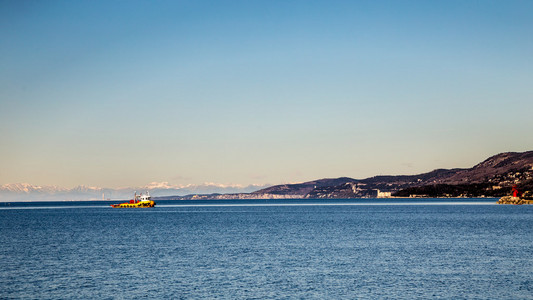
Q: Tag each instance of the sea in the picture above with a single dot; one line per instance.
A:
(267, 249)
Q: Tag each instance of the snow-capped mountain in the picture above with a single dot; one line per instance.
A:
(29, 192)
(28, 188)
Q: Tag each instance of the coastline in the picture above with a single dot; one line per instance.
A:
(257, 202)
(514, 201)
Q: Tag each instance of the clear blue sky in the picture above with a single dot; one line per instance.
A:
(122, 93)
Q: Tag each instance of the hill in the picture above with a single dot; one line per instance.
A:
(493, 177)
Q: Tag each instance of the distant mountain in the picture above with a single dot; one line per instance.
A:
(492, 177)
(26, 188)
(29, 192)
(26, 191)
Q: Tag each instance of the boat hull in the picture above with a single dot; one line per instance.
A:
(140, 204)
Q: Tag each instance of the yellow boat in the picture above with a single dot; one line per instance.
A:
(137, 201)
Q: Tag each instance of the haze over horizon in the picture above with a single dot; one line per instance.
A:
(116, 94)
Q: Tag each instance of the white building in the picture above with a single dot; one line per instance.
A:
(381, 194)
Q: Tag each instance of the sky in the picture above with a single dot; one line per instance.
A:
(123, 93)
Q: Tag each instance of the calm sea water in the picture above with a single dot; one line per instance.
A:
(236, 249)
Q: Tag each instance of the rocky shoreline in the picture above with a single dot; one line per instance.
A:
(514, 200)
